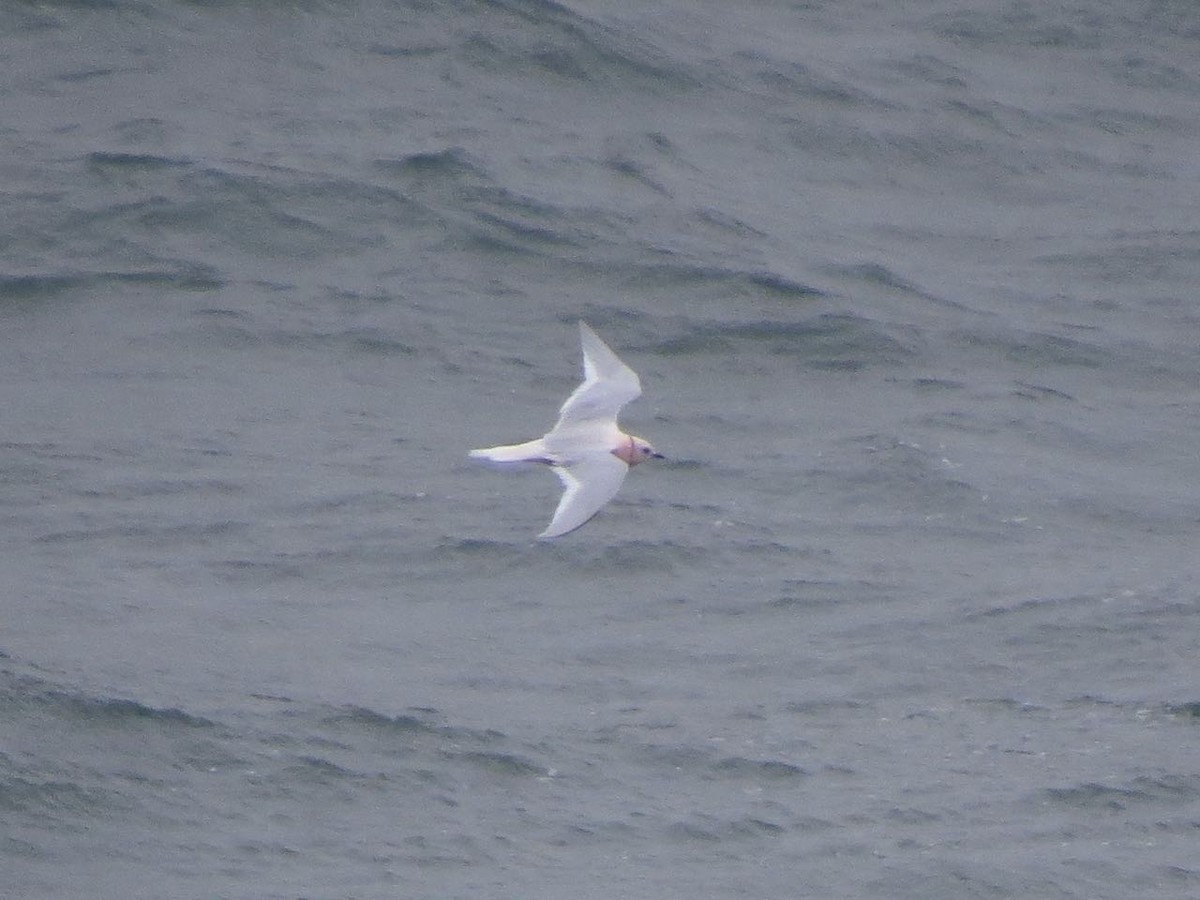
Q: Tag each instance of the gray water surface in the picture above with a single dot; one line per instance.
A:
(911, 609)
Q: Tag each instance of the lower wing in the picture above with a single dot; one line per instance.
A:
(589, 484)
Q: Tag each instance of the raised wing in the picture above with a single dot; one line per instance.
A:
(590, 484)
(608, 384)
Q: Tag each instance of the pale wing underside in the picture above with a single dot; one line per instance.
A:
(608, 384)
(578, 440)
(589, 484)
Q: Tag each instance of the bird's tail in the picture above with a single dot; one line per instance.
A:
(530, 451)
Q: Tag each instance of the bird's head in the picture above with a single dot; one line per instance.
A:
(634, 450)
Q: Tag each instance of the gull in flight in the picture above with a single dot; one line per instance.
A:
(586, 449)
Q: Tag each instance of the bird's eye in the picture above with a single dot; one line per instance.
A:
(645, 449)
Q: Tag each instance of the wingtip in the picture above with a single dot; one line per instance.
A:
(549, 535)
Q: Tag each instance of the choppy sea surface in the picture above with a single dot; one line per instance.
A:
(911, 611)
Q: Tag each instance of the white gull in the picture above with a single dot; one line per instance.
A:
(586, 449)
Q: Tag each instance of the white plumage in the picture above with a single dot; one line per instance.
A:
(589, 452)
